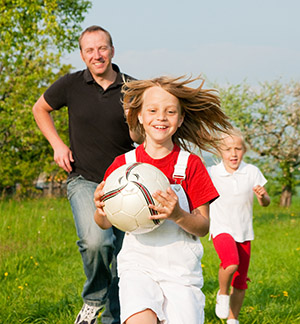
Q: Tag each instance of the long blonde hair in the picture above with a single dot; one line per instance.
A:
(203, 116)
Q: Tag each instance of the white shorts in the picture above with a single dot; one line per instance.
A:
(161, 271)
(173, 303)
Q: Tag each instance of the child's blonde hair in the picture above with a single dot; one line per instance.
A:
(203, 116)
(234, 132)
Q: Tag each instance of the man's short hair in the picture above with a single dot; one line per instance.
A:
(95, 28)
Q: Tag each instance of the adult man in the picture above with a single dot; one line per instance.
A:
(98, 133)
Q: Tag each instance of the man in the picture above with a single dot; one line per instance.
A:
(98, 133)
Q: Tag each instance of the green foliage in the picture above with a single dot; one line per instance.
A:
(41, 274)
(34, 35)
(269, 117)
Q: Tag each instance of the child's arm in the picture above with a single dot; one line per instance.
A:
(262, 195)
(196, 223)
(100, 216)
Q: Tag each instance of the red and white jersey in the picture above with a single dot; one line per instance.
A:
(197, 183)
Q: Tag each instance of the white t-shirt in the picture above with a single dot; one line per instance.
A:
(232, 212)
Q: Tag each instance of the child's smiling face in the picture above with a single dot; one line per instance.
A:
(160, 115)
(232, 152)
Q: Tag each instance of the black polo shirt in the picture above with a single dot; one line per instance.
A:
(97, 128)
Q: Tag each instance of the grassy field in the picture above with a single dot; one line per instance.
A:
(41, 274)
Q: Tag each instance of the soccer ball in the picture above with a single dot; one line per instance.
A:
(128, 192)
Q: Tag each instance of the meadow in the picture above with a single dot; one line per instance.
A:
(41, 273)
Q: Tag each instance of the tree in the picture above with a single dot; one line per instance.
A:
(269, 118)
(34, 36)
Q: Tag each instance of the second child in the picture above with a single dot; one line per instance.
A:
(231, 225)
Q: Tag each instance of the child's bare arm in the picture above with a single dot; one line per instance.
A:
(262, 195)
(197, 222)
(100, 216)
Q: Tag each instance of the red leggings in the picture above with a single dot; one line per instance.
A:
(231, 252)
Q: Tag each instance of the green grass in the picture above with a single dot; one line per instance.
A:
(41, 273)
(273, 295)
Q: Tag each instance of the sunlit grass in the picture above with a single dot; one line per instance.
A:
(41, 273)
(274, 290)
(40, 269)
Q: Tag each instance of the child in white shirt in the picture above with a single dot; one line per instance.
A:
(231, 225)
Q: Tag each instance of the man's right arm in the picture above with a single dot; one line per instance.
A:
(62, 154)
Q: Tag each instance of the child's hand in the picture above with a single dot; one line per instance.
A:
(259, 191)
(100, 215)
(169, 206)
(97, 199)
(262, 195)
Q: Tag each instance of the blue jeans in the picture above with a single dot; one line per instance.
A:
(98, 249)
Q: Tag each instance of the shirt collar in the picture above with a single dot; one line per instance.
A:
(89, 78)
(223, 172)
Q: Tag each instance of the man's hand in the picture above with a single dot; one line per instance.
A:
(63, 157)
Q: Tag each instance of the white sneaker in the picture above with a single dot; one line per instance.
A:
(222, 306)
(88, 315)
(232, 321)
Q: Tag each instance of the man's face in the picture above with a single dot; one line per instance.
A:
(97, 53)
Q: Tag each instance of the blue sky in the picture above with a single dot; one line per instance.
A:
(226, 41)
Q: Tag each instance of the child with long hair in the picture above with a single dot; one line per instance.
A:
(160, 271)
(231, 225)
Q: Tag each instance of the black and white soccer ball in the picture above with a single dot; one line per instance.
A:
(128, 193)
